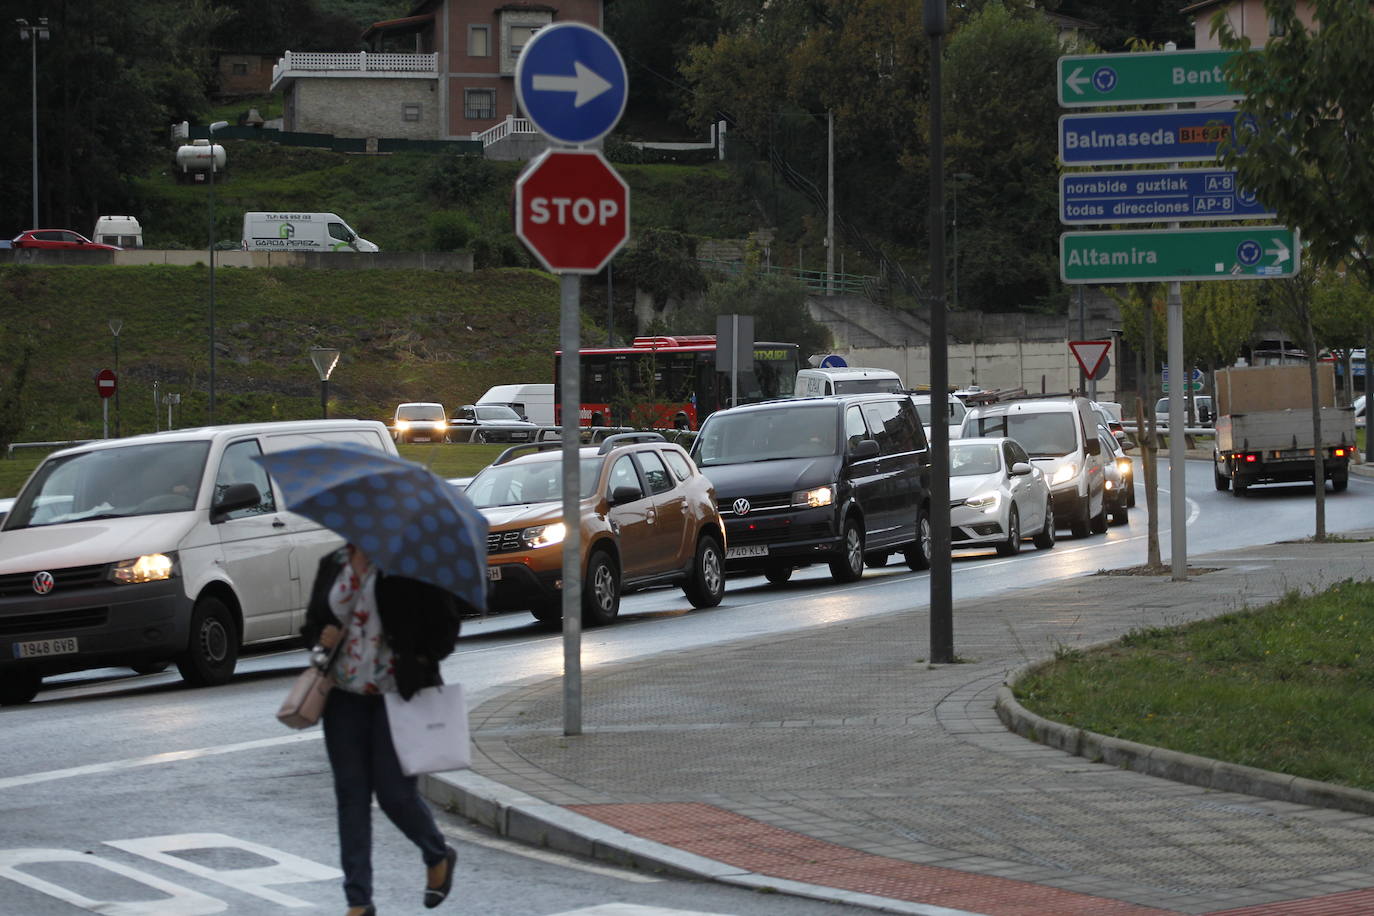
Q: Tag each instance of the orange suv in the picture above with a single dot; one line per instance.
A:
(649, 517)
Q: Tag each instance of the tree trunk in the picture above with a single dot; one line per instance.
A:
(1145, 423)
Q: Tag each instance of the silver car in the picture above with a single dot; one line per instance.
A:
(997, 496)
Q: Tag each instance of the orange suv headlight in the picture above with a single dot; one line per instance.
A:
(544, 535)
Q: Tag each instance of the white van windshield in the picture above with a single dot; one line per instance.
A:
(1042, 435)
(112, 483)
(867, 385)
(768, 435)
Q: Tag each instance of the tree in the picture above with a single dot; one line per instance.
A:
(1119, 21)
(654, 37)
(1309, 150)
(777, 304)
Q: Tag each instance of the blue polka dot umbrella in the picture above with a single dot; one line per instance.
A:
(408, 520)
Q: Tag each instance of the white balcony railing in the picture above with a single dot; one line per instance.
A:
(331, 63)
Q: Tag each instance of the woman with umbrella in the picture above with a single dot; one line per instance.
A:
(391, 601)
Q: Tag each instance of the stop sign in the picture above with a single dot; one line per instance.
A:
(572, 210)
(105, 382)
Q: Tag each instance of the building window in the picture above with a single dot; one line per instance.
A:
(410, 111)
(1276, 29)
(479, 41)
(520, 36)
(240, 69)
(479, 104)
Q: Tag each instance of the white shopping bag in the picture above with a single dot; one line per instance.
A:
(430, 730)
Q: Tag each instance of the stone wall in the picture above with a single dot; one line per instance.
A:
(364, 107)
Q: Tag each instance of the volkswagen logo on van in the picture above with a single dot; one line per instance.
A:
(42, 582)
(741, 506)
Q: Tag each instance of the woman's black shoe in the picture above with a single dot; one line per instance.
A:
(436, 895)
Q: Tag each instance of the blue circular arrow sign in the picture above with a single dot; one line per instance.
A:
(571, 82)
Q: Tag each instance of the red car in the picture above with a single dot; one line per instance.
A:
(59, 238)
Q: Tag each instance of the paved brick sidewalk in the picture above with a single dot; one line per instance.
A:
(837, 763)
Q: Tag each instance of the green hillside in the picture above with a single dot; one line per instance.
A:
(404, 335)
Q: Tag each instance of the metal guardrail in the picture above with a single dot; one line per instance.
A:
(590, 435)
(1190, 434)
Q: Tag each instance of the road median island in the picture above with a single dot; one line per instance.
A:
(1273, 661)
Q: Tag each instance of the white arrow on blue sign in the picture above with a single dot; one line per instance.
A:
(571, 82)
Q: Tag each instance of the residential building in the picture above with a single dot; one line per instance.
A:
(1246, 17)
(444, 72)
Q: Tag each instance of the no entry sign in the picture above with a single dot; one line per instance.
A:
(572, 210)
(105, 383)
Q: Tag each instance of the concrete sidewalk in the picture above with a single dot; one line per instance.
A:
(835, 763)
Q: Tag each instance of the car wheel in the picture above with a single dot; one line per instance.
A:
(1339, 482)
(777, 574)
(1045, 539)
(706, 586)
(849, 565)
(1238, 487)
(1121, 516)
(1012, 545)
(18, 689)
(918, 554)
(1081, 525)
(1099, 521)
(1220, 480)
(600, 591)
(875, 560)
(1130, 494)
(212, 650)
(150, 667)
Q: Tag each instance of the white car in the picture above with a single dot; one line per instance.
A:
(1360, 414)
(954, 414)
(997, 496)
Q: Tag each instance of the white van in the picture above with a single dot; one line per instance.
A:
(165, 547)
(301, 232)
(123, 231)
(813, 383)
(533, 402)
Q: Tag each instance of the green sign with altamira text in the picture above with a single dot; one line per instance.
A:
(1227, 253)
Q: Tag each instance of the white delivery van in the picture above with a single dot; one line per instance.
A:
(165, 547)
(813, 383)
(533, 402)
(123, 231)
(301, 232)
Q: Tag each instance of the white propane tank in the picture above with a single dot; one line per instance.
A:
(195, 157)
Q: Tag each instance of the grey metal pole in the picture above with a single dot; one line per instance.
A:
(830, 204)
(570, 342)
(33, 81)
(1178, 386)
(212, 275)
(610, 306)
(941, 576)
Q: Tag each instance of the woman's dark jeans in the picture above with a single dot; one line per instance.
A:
(357, 737)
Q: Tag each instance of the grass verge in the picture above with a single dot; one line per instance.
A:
(1285, 688)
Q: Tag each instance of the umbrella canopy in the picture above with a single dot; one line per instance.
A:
(409, 521)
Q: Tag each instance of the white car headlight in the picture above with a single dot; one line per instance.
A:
(814, 498)
(988, 502)
(150, 567)
(544, 535)
(1065, 473)
(403, 424)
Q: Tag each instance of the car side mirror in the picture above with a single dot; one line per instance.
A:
(1021, 469)
(235, 497)
(621, 495)
(1094, 447)
(864, 448)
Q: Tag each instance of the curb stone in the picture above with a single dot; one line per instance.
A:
(1168, 764)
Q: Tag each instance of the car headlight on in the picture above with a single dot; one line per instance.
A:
(988, 502)
(151, 567)
(1065, 473)
(440, 424)
(544, 535)
(1124, 466)
(814, 498)
(403, 424)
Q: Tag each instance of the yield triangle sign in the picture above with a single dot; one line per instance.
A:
(1090, 354)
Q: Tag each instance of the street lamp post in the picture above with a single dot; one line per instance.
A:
(959, 178)
(213, 157)
(34, 34)
(324, 360)
(117, 325)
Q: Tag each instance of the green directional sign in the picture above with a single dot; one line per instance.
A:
(1151, 76)
(1227, 253)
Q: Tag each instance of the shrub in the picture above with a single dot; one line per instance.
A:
(450, 230)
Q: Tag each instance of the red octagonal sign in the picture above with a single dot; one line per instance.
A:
(572, 210)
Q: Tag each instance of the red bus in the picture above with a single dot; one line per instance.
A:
(672, 382)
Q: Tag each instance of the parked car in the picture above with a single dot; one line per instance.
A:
(62, 239)
(494, 423)
(648, 517)
(954, 414)
(1109, 415)
(171, 546)
(842, 480)
(997, 496)
(420, 421)
(1118, 478)
(1358, 405)
(1060, 436)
